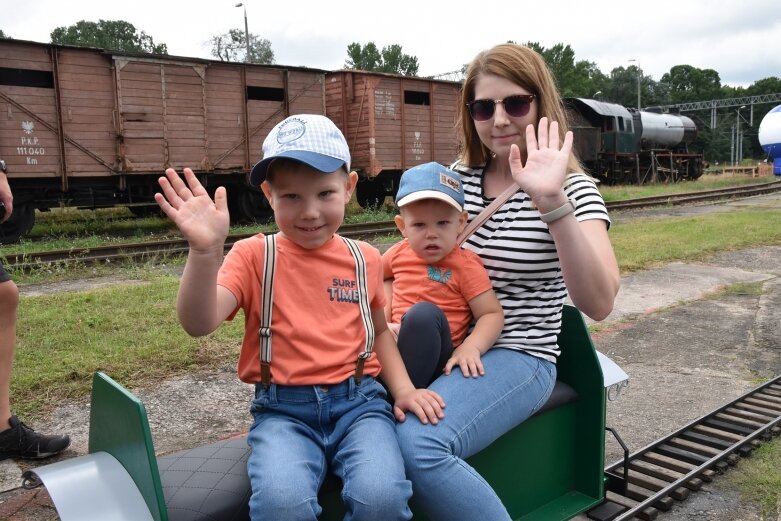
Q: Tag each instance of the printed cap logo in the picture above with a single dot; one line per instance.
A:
(290, 130)
(448, 181)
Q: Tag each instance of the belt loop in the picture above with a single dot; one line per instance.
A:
(352, 386)
(268, 394)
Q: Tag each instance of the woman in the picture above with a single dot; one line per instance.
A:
(547, 240)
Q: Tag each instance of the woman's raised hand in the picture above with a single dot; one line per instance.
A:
(203, 223)
(546, 160)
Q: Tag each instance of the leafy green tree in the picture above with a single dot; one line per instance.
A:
(2, 34)
(232, 47)
(391, 59)
(687, 83)
(574, 78)
(116, 35)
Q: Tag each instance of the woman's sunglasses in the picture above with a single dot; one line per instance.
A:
(516, 106)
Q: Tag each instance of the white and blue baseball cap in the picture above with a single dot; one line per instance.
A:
(309, 138)
(430, 181)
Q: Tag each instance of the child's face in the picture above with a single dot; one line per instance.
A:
(431, 226)
(308, 205)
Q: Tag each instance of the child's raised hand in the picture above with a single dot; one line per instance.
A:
(203, 223)
(468, 359)
(425, 404)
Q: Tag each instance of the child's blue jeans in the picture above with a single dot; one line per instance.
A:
(302, 432)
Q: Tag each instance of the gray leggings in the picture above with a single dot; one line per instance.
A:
(424, 342)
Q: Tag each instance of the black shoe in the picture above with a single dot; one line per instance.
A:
(20, 441)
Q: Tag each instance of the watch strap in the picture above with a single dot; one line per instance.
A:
(554, 215)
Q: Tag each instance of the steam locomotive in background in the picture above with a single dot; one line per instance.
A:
(619, 145)
(94, 128)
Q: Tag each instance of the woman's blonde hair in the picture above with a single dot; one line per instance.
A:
(522, 66)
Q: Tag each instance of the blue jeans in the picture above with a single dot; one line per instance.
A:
(299, 433)
(477, 412)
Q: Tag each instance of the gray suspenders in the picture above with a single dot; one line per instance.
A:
(269, 263)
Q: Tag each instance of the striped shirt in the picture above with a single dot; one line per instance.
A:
(521, 259)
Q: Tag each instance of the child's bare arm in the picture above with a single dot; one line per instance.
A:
(201, 304)
(387, 285)
(489, 320)
(425, 404)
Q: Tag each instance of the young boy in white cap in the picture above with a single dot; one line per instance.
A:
(434, 288)
(317, 299)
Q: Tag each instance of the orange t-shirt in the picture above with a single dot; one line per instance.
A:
(317, 331)
(450, 284)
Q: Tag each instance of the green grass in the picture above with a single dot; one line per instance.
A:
(643, 243)
(129, 331)
(758, 479)
(706, 182)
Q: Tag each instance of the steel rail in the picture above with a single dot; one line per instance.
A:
(711, 450)
(141, 250)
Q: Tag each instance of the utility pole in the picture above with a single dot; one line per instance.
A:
(739, 138)
(246, 31)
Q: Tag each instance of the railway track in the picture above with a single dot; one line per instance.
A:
(152, 249)
(695, 197)
(146, 250)
(668, 470)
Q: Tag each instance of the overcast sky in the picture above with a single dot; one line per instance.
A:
(740, 39)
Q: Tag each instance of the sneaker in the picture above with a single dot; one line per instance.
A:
(20, 441)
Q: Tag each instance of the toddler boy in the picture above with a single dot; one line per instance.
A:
(433, 286)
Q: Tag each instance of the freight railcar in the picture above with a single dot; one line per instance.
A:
(93, 128)
(392, 123)
(621, 145)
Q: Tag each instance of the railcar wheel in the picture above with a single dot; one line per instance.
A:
(19, 224)
(370, 194)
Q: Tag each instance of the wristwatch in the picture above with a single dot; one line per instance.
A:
(3, 167)
(554, 215)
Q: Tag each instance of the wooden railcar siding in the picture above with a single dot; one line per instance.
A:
(87, 105)
(226, 116)
(162, 109)
(391, 122)
(29, 135)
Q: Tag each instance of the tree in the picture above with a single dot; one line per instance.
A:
(232, 47)
(2, 34)
(574, 78)
(687, 83)
(115, 35)
(391, 59)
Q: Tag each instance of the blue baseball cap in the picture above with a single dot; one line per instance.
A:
(310, 138)
(430, 181)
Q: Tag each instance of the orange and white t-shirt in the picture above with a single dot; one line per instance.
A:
(317, 331)
(450, 284)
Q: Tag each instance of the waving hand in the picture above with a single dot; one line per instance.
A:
(204, 223)
(546, 161)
